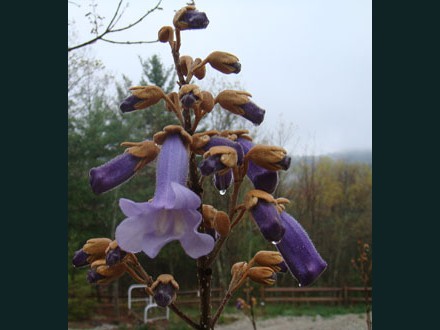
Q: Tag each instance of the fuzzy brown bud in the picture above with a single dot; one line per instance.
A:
(268, 258)
(185, 63)
(224, 62)
(199, 71)
(272, 158)
(96, 247)
(166, 34)
(263, 275)
(207, 103)
(222, 224)
(147, 96)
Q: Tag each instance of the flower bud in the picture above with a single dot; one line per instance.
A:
(94, 249)
(268, 258)
(185, 63)
(166, 34)
(164, 289)
(222, 224)
(261, 178)
(188, 18)
(224, 62)
(114, 254)
(101, 273)
(218, 159)
(238, 268)
(272, 158)
(238, 103)
(262, 207)
(123, 167)
(207, 103)
(190, 95)
(199, 71)
(142, 97)
(263, 275)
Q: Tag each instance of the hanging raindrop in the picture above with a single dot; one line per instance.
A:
(222, 192)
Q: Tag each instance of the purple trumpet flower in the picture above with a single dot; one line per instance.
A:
(268, 220)
(262, 179)
(223, 181)
(171, 215)
(113, 173)
(299, 253)
(253, 113)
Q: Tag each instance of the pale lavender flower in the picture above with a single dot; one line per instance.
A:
(268, 220)
(299, 253)
(171, 215)
(262, 179)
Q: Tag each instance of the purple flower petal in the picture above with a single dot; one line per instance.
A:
(261, 178)
(188, 100)
(215, 141)
(223, 181)
(171, 215)
(164, 294)
(128, 104)
(80, 258)
(113, 173)
(253, 113)
(130, 232)
(172, 166)
(299, 253)
(195, 19)
(268, 220)
(211, 165)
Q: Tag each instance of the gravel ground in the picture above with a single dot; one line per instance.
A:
(336, 322)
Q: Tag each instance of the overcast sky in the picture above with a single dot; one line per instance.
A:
(308, 61)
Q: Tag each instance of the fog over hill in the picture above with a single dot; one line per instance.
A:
(353, 156)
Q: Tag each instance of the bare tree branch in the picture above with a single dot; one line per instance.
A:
(111, 28)
(128, 42)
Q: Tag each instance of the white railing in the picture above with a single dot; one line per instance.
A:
(149, 303)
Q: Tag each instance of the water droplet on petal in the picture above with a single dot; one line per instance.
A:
(222, 192)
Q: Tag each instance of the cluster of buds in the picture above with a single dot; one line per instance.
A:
(104, 257)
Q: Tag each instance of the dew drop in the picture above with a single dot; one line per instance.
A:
(299, 284)
(276, 242)
(222, 192)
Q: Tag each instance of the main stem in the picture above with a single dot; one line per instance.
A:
(203, 270)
